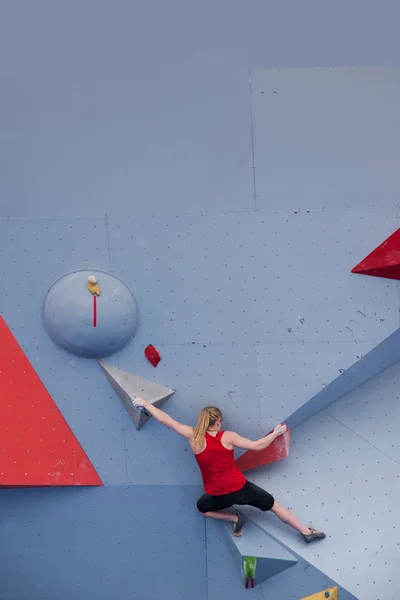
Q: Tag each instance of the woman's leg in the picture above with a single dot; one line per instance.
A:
(256, 496)
(224, 516)
(287, 517)
(214, 507)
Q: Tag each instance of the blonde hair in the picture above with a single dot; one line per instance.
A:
(207, 418)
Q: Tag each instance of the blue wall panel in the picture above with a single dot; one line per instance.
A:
(381, 357)
(373, 412)
(252, 276)
(34, 254)
(88, 403)
(343, 477)
(110, 543)
(290, 374)
(202, 374)
(298, 581)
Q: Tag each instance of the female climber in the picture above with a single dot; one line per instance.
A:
(224, 484)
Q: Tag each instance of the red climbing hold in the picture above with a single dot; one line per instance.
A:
(37, 447)
(384, 261)
(278, 450)
(152, 355)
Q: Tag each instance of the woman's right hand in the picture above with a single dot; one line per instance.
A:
(280, 429)
(139, 402)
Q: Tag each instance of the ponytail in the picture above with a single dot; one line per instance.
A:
(207, 418)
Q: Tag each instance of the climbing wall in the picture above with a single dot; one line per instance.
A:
(234, 205)
(344, 478)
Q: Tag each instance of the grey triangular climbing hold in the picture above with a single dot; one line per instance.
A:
(128, 386)
(272, 557)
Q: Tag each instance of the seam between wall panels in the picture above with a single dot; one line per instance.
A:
(107, 222)
(206, 557)
(258, 388)
(253, 166)
(273, 342)
(144, 216)
(124, 438)
(361, 437)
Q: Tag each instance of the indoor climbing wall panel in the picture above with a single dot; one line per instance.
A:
(375, 362)
(344, 478)
(299, 580)
(285, 391)
(102, 543)
(43, 250)
(155, 170)
(326, 138)
(265, 557)
(372, 412)
(195, 276)
(202, 374)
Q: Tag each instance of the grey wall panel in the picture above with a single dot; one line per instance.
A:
(326, 137)
(171, 140)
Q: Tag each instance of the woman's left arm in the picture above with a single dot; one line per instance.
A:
(162, 417)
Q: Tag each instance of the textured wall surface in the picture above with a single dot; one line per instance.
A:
(76, 545)
(232, 187)
(343, 476)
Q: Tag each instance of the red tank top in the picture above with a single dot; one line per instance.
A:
(218, 470)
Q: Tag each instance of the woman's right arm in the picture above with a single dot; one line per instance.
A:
(238, 441)
(162, 417)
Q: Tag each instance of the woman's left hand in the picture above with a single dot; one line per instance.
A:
(280, 429)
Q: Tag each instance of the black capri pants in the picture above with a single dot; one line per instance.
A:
(250, 494)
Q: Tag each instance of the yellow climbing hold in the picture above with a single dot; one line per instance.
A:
(330, 594)
(93, 286)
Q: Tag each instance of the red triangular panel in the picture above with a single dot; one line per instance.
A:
(384, 261)
(37, 447)
(278, 450)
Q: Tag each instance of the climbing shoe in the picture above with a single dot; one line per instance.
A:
(314, 535)
(237, 527)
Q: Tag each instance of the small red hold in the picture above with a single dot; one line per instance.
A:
(152, 355)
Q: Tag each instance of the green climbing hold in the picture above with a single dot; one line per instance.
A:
(249, 567)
